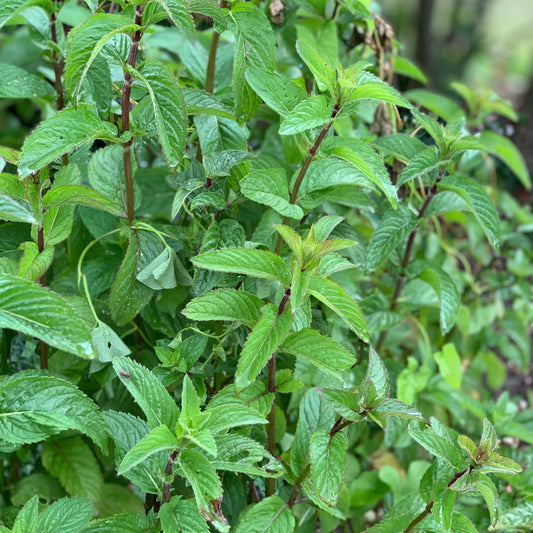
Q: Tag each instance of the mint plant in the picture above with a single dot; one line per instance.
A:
(247, 285)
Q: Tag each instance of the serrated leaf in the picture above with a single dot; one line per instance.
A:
(400, 145)
(122, 523)
(270, 515)
(377, 374)
(14, 210)
(327, 455)
(200, 102)
(377, 90)
(323, 73)
(27, 518)
(79, 195)
(279, 93)
(478, 201)
(204, 482)
(339, 301)
(391, 231)
(502, 148)
(436, 103)
(73, 463)
(35, 407)
(128, 295)
(158, 440)
(178, 12)
(182, 516)
(255, 263)
(225, 304)
(438, 446)
(233, 414)
(242, 454)
(392, 407)
(364, 159)
(41, 313)
(443, 285)
(126, 431)
(67, 515)
(148, 392)
(404, 67)
(17, 83)
(519, 517)
(270, 187)
(261, 344)
(169, 109)
(462, 524)
(60, 134)
(308, 114)
(321, 351)
(423, 163)
(85, 43)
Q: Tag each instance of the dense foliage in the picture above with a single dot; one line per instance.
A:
(246, 284)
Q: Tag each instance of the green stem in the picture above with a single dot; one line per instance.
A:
(126, 94)
(301, 175)
(407, 258)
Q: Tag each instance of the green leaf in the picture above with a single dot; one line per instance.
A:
(127, 431)
(478, 201)
(17, 83)
(85, 42)
(462, 524)
(436, 103)
(371, 87)
(14, 210)
(279, 93)
(391, 231)
(438, 446)
(41, 313)
(392, 407)
(502, 148)
(321, 351)
(364, 159)
(433, 127)
(490, 494)
(327, 454)
(225, 304)
(261, 344)
(178, 12)
(34, 264)
(339, 301)
(404, 67)
(106, 175)
(376, 373)
(449, 364)
(270, 187)
(322, 228)
(67, 515)
(255, 263)
(324, 75)
(122, 523)
(60, 134)
(314, 414)
(270, 515)
(182, 516)
(107, 343)
(35, 407)
(44, 486)
(205, 484)
(423, 163)
(293, 240)
(158, 440)
(128, 295)
(161, 272)
(518, 518)
(79, 195)
(148, 392)
(443, 285)
(308, 114)
(400, 145)
(169, 109)
(200, 102)
(118, 499)
(73, 463)
(26, 521)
